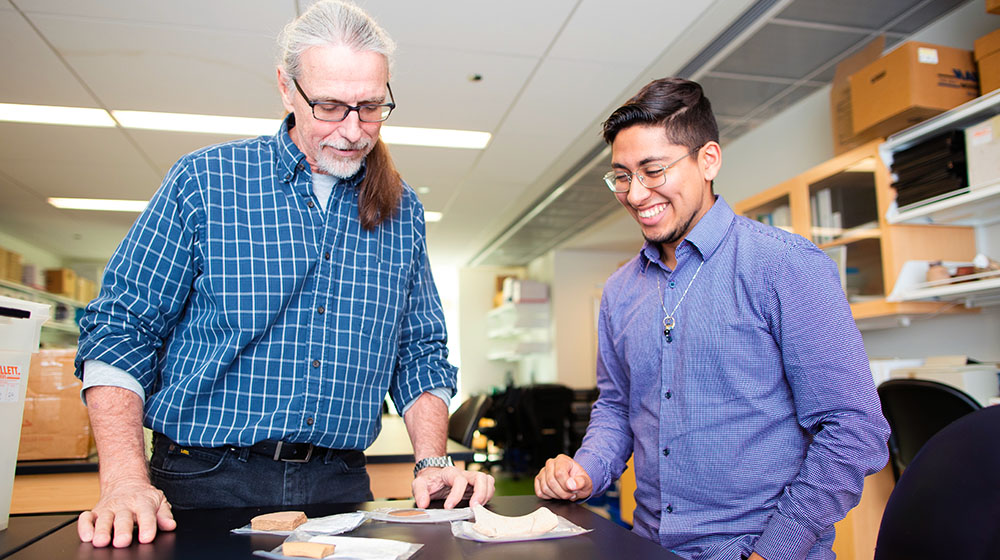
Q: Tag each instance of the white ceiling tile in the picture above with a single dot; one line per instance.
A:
(262, 16)
(130, 181)
(32, 73)
(65, 144)
(169, 68)
(564, 96)
(525, 27)
(432, 87)
(633, 31)
(164, 148)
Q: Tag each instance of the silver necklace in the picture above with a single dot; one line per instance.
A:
(669, 321)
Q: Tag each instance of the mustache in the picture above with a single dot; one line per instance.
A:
(345, 145)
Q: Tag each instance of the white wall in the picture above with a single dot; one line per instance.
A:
(801, 138)
(476, 287)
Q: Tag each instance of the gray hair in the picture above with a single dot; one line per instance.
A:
(331, 22)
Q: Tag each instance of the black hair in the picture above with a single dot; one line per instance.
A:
(679, 105)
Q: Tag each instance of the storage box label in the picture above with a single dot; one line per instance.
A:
(10, 383)
(926, 55)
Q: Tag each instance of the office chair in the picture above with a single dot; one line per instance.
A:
(947, 502)
(463, 422)
(916, 410)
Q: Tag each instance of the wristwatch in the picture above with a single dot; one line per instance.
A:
(432, 462)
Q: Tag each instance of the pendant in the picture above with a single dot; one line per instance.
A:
(668, 325)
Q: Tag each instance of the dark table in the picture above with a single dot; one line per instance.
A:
(23, 530)
(204, 534)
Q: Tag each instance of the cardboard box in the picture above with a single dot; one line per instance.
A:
(55, 423)
(844, 138)
(993, 6)
(910, 84)
(987, 53)
(61, 281)
(982, 152)
(13, 266)
(3, 263)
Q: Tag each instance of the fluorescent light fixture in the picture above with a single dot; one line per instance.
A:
(435, 137)
(243, 126)
(181, 122)
(432, 216)
(47, 114)
(99, 204)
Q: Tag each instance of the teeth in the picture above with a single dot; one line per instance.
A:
(652, 211)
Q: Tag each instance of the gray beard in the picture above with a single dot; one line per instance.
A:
(340, 168)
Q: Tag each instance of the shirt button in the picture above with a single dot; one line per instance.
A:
(310, 204)
(667, 395)
(315, 363)
(666, 451)
(321, 310)
(673, 284)
(299, 167)
(309, 421)
(669, 508)
(326, 256)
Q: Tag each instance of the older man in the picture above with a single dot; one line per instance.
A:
(259, 310)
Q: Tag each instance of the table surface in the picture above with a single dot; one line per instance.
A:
(205, 534)
(22, 530)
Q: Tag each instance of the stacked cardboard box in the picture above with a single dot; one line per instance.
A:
(55, 424)
(987, 52)
(911, 84)
(61, 281)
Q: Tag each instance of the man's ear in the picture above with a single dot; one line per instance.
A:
(287, 92)
(710, 160)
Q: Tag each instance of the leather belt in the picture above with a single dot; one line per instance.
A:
(288, 452)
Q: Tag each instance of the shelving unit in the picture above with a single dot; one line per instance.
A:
(841, 206)
(975, 206)
(64, 310)
(518, 330)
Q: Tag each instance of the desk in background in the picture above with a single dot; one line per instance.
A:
(52, 486)
(204, 535)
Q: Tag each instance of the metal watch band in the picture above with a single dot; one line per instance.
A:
(422, 464)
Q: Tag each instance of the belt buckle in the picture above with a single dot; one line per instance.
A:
(277, 454)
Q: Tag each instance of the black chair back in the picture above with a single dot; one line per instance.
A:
(463, 422)
(916, 410)
(947, 502)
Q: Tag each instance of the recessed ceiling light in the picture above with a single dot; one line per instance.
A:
(432, 216)
(110, 205)
(48, 114)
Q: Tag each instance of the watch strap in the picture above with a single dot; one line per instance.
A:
(426, 462)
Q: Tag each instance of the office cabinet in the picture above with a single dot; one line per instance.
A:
(841, 206)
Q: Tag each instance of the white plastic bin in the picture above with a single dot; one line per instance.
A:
(20, 328)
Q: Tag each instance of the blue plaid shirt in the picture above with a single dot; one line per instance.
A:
(247, 313)
(754, 428)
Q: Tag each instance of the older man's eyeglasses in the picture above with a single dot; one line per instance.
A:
(336, 112)
(651, 175)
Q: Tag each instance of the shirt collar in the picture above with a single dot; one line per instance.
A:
(292, 161)
(705, 236)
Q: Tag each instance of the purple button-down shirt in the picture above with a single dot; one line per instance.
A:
(755, 426)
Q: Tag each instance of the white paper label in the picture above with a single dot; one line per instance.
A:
(981, 134)
(927, 55)
(10, 383)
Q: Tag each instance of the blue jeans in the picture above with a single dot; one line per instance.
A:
(220, 477)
